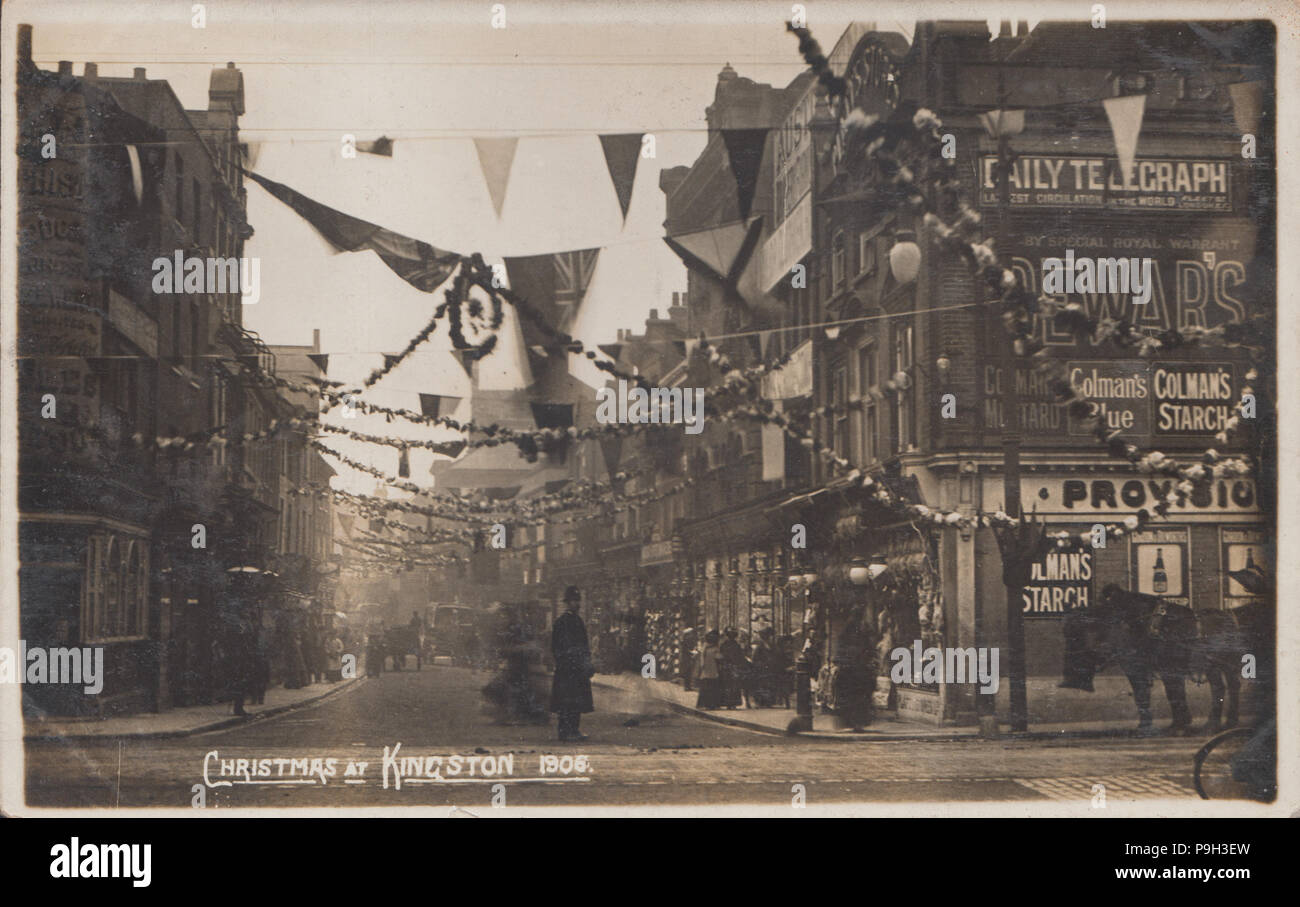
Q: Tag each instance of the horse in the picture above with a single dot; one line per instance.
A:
(1146, 636)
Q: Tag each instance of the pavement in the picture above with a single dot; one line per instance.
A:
(887, 726)
(181, 722)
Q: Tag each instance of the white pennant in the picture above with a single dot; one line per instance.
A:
(1125, 115)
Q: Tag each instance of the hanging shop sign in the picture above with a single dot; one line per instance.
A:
(1158, 560)
(795, 378)
(1119, 495)
(1245, 566)
(1059, 582)
(1080, 181)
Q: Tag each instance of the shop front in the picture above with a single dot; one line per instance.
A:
(1206, 555)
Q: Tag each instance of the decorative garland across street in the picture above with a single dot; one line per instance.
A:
(1019, 306)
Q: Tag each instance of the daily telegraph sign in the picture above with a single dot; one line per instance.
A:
(1078, 181)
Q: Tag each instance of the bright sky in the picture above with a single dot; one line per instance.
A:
(433, 77)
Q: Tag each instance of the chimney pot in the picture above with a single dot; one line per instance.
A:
(315, 340)
(65, 67)
(91, 71)
(230, 64)
(654, 314)
(139, 73)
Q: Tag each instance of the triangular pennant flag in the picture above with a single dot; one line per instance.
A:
(416, 262)
(431, 404)
(495, 157)
(382, 146)
(1247, 102)
(552, 415)
(714, 250)
(1125, 115)
(612, 450)
(467, 359)
(621, 155)
(612, 350)
(554, 284)
(322, 361)
(745, 154)
(997, 122)
(391, 360)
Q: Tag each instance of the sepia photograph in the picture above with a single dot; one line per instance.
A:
(535, 408)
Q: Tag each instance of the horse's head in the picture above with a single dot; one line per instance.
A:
(1086, 632)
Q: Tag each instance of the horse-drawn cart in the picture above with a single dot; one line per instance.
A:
(400, 642)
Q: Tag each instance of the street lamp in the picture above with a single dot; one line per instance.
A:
(1001, 125)
(905, 258)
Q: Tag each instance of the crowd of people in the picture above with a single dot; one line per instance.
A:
(301, 649)
(730, 670)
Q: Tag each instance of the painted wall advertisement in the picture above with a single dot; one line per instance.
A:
(1145, 399)
(1081, 181)
(1158, 560)
(1191, 276)
(1059, 582)
(1245, 566)
(1120, 495)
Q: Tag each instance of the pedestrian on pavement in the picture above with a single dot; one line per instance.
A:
(734, 666)
(710, 673)
(261, 675)
(689, 643)
(763, 661)
(374, 654)
(571, 687)
(783, 671)
(855, 674)
(336, 660)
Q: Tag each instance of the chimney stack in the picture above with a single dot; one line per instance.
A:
(65, 67)
(138, 74)
(24, 46)
(91, 71)
(315, 340)
(654, 315)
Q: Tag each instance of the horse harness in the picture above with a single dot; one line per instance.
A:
(1157, 618)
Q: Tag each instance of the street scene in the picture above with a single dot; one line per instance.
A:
(490, 405)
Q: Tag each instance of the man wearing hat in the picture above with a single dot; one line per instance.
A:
(571, 688)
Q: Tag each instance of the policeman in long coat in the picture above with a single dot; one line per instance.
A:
(571, 688)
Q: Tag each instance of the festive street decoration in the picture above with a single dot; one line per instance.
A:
(622, 152)
(495, 157)
(418, 263)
